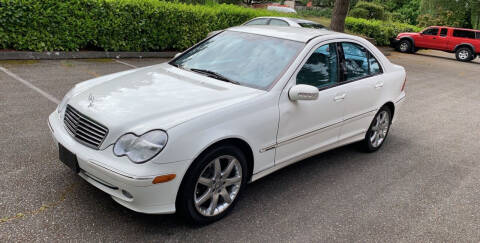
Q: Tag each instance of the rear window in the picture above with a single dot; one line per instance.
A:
(263, 21)
(464, 34)
(312, 25)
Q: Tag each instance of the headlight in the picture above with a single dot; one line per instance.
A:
(61, 107)
(140, 149)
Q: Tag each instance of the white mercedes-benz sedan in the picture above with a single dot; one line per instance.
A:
(187, 136)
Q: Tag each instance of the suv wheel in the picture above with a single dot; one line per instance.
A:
(464, 54)
(404, 46)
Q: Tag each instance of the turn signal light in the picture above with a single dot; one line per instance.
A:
(163, 178)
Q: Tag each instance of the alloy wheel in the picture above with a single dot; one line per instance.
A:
(218, 185)
(380, 129)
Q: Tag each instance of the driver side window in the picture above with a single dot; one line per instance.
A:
(320, 70)
(431, 31)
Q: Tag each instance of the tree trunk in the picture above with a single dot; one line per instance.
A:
(339, 14)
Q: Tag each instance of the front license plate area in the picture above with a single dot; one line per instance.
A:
(68, 158)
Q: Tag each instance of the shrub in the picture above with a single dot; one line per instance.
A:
(113, 25)
(381, 31)
(316, 12)
(359, 13)
(374, 10)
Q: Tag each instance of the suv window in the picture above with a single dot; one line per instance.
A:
(278, 22)
(464, 34)
(443, 32)
(262, 21)
(320, 70)
(478, 35)
(431, 31)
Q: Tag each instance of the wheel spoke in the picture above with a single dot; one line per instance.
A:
(207, 195)
(217, 167)
(372, 138)
(225, 195)
(205, 181)
(233, 180)
(229, 168)
(213, 204)
(377, 139)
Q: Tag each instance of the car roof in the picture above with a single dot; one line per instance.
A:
(296, 20)
(283, 32)
(453, 28)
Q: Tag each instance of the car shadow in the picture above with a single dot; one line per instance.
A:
(475, 61)
(261, 194)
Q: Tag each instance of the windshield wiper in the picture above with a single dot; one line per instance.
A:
(215, 75)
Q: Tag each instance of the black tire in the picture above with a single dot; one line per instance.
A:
(367, 143)
(404, 46)
(464, 54)
(185, 204)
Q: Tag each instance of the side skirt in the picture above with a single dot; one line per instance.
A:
(345, 141)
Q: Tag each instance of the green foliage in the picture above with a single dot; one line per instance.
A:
(113, 25)
(381, 31)
(375, 10)
(458, 13)
(325, 12)
(359, 13)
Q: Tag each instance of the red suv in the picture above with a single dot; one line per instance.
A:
(465, 43)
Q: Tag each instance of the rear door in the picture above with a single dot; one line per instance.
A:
(441, 41)
(363, 83)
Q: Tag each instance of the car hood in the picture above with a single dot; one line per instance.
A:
(156, 97)
(408, 34)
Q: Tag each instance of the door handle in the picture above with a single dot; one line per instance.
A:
(340, 97)
(378, 85)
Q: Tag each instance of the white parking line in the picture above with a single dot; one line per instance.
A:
(124, 63)
(30, 85)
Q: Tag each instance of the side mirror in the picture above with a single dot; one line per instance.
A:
(178, 54)
(303, 92)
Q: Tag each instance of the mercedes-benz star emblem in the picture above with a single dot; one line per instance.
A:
(91, 99)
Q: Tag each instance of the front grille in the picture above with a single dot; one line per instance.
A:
(84, 129)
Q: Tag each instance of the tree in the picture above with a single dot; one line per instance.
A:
(339, 14)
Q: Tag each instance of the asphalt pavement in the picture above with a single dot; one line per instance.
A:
(423, 185)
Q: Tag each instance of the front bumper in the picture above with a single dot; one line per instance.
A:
(108, 173)
(394, 42)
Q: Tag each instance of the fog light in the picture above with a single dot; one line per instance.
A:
(127, 194)
(163, 178)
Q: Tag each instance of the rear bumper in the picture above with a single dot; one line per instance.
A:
(398, 106)
(133, 191)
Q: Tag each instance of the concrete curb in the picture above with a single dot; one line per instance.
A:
(28, 55)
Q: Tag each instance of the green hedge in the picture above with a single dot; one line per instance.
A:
(373, 10)
(113, 25)
(381, 31)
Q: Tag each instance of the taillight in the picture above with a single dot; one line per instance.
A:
(404, 83)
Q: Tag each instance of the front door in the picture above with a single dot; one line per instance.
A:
(427, 38)
(307, 126)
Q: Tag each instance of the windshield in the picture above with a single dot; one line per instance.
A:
(242, 58)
